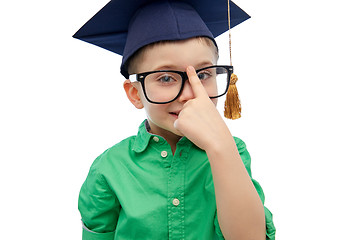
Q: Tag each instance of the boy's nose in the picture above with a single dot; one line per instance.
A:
(187, 92)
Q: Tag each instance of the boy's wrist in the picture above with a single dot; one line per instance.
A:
(220, 145)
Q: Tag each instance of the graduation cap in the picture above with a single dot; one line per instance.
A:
(125, 26)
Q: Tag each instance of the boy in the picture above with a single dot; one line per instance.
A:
(183, 176)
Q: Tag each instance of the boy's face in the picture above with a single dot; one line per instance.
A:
(178, 56)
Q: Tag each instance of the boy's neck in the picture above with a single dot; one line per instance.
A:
(172, 141)
(171, 138)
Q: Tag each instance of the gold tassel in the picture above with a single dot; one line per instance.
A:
(232, 102)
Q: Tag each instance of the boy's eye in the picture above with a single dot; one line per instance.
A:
(166, 79)
(204, 75)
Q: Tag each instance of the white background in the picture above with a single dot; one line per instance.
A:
(62, 104)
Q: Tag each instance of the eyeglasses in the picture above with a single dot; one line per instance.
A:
(164, 86)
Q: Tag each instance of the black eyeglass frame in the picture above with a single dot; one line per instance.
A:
(140, 77)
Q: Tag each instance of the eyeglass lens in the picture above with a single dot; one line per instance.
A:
(165, 86)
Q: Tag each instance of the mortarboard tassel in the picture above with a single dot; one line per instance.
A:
(232, 103)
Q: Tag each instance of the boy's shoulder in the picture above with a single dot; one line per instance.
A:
(114, 153)
(123, 152)
(125, 143)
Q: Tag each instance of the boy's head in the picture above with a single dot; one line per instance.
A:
(187, 42)
(174, 56)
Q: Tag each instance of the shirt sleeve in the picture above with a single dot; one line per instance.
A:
(270, 227)
(99, 207)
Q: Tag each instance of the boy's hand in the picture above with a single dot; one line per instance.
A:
(199, 120)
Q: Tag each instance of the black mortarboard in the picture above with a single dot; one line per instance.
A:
(125, 26)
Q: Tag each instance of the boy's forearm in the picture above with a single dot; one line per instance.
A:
(240, 210)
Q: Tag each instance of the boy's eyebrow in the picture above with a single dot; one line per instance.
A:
(166, 67)
(204, 64)
(175, 67)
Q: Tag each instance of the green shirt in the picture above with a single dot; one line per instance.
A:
(137, 189)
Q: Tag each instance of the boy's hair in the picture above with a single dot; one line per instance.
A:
(133, 60)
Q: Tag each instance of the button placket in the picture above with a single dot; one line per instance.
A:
(176, 188)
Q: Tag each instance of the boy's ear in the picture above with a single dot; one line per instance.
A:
(133, 94)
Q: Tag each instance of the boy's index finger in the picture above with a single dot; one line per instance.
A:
(195, 82)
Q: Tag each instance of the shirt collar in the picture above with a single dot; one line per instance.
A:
(143, 137)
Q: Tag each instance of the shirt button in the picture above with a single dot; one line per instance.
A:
(164, 154)
(176, 202)
(156, 139)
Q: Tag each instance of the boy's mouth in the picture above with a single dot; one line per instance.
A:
(176, 114)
